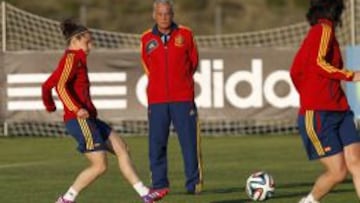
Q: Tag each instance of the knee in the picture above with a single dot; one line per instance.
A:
(338, 175)
(100, 168)
(353, 163)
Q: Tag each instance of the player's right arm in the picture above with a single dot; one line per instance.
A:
(144, 57)
(296, 70)
(46, 93)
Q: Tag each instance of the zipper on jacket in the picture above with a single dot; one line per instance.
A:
(167, 71)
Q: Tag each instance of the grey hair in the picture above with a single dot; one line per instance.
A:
(169, 2)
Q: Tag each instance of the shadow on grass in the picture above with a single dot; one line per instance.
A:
(233, 201)
(279, 194)
(306, 184)
(216, 191)
(225, 190)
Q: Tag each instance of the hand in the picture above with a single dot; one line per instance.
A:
(82, 113)
(356, 77)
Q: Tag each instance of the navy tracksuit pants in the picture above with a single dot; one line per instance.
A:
(183, 115)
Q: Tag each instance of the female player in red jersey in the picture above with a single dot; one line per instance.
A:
(94, 137)
(326, 122)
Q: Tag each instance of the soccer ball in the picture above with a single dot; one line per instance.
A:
(260, 186)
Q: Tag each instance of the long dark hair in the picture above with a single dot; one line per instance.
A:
(71, 28)
(328, 9)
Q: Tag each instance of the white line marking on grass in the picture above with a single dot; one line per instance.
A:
(23, 164)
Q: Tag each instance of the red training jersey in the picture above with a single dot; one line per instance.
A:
(317, 70)
(169, 64)
(72, 85)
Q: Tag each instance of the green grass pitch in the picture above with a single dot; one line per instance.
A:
(37, 170)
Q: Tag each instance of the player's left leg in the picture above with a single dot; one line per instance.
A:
(185, 120)
(352, 158)
(351, 141)
(335, 172)
(121, 151)
(321, 135)
(118, 147)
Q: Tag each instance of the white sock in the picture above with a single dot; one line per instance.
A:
(71, 194)
(141, 189)
(310, 198)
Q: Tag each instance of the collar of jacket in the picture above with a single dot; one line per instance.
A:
(326, 21)
(156, 31)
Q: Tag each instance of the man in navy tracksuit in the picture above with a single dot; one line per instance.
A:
(170, 58)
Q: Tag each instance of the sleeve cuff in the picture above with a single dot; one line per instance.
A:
(51, 108)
